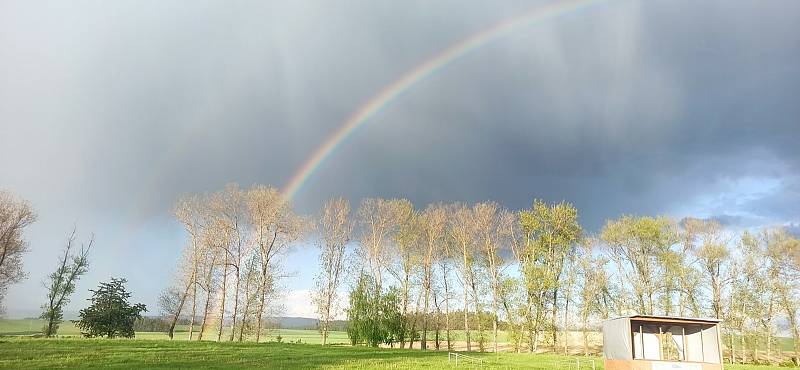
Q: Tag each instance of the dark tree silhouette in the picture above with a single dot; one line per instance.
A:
(110, 314)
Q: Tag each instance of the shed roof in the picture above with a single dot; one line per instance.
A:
(672, 319)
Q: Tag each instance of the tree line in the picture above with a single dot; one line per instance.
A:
(476, 269)
(480, 268)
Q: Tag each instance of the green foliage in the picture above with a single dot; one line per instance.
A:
(110, 314)
(374, 317)
(550, 233)
(641, 247)
(62, 285)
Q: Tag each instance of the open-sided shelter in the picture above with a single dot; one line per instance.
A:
(661, 343)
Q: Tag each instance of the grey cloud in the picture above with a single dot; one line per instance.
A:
(110, 111)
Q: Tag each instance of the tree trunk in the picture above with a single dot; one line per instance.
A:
(447, 310)
(194, 305)
(494, 310)
(566, 325)
(733, 348)
(437, 320)
(235, 305)
(178, 311)
(246, 305)
(427, 288)
(327, 315)
(224, 295)
(554, 319)
(466, 305)
(476, 303)
(405, 311)
(261, 299)
(209, 295)
(205, 315)
(744, 350)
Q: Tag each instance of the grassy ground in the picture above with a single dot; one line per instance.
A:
(150, 350)
(27, 327)
(28, 353)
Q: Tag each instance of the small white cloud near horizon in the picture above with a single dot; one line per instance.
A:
(298, 303)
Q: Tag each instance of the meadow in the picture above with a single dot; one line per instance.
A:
(39, 353)
(20, 348)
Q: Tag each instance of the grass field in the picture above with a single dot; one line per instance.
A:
(29, 353)
(28, 327)
(18, 350)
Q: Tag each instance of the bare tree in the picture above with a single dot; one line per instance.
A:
(709, 243)
(250, 294)
(229, 214)
(461, 229)
(376, 218)
(15, 216)
(208, 268)
(276, 228)
(336, 228)
(62, 283)
(188, 212)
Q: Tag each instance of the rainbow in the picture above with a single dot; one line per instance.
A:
(420, 72)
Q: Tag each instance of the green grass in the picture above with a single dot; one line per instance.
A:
(28, 327)
(31, 353)
(151, 350)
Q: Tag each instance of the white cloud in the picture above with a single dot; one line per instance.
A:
(298, 303)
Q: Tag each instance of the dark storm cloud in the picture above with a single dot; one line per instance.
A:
(111, 110)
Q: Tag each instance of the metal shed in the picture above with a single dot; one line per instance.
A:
(662, 343)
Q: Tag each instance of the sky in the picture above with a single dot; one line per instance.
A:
(111, 110)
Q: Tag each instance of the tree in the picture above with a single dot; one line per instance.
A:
(594, 287)
(62, 283)
(373, 318)
(406, 238)
(15, 216)
(336, 228)
(210, 255)
(376, 218)
(709, 243)
(549, 233)
(639, 246)
(276, 228)
(492, 226)
(228, 209)
(444, 254)
(461, 230)
(433, 222)
(188, 212)
(110, 314)
(170, 304)
(781, 252)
